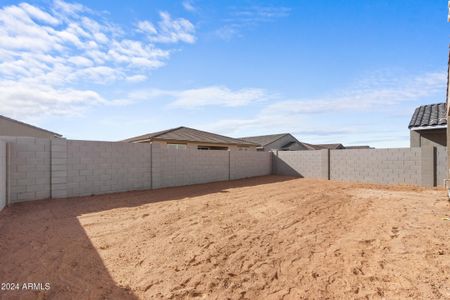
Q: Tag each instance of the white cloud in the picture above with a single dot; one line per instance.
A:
(20, 100)
(56, 48)
(204, 96)
(217, 96)
(188, 5)
(169, 30)
(324, 119)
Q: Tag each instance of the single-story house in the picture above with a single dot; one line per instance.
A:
(11, 127)
(282, 142)
(190, 138)
(325, 146)
(428, 125)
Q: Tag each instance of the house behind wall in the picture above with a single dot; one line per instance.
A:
(11, 127)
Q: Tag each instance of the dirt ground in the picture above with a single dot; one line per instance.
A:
(261, 238)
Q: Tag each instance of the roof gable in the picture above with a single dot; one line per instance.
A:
(187, 134)
(264, 140)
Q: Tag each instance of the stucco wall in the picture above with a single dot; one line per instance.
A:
(245, 164)
(306, 164)
(2, 174)
(386, 166)
(431, 137)
(441, 165)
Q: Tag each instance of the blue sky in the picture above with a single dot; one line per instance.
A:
(326, 71)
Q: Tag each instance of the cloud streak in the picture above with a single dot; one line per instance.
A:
(241, 19)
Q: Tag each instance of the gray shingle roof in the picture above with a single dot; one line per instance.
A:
(429, 116)
(264, 139)
(186, 134)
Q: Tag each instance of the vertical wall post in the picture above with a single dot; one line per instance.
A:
(58, 168)
(428, 165)
(274, 162)
(325, 164)
(151, 164)
(229, 165)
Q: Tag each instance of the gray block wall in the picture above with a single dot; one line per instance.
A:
(385, 166)
(187, 166)
(441, 165)
(307, 164)
(106, 167)
(2, 174)
(244, 164)
(28, 169)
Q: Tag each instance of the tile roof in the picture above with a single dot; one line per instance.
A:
(430, 115)
(186, 134)
(264, 139)
(31, 126)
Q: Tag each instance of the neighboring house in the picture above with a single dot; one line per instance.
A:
(325, 146)
(428, 125)
(11, 127)
(189, 138)
(282, 142)
(334, 146)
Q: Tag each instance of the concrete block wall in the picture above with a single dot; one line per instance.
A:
(307, 164)
(441, 165)
(105, 167)
(2, 174)
(174, 167)
(385, 166)
(244, 164)
(28, 168)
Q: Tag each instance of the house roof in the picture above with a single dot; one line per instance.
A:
(186, 134)
(264, 140)
(429, 116)
(330, 146)
(31, 126)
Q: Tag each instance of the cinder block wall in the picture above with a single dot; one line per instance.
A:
(106, 167)
(28, 169)
(184, 167)
(385, 166)
(423, 166)
(2, 174)
(306, 164)
(244, 164)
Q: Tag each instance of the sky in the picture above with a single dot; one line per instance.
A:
(338, 71)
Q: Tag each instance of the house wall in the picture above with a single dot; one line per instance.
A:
(441, 165)
(194, 146)
(2, 174)
(430, 137)
(11, 128)
(276, 145)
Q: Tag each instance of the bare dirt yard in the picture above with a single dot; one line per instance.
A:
(261, 238)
